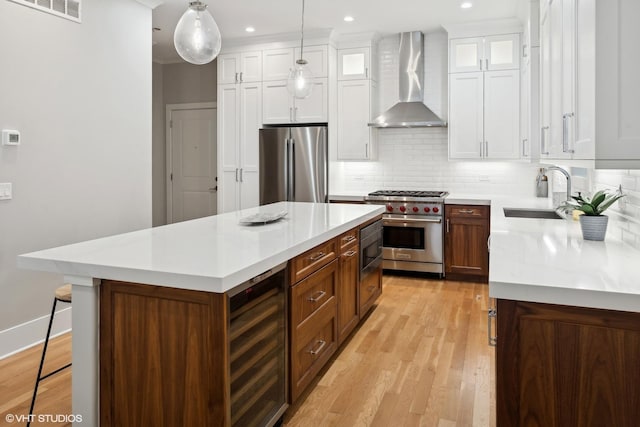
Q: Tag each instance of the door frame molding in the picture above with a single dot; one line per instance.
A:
(170, 108)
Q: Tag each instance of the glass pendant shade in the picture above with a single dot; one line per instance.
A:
(197, 37)
(300, 81)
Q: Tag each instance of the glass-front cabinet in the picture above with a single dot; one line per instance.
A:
(500, 52)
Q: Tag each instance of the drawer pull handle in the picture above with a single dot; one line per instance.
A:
(316, 256)
(350, 253)
(349, 238)
(317, 296)
(466, 211)
(316, 351)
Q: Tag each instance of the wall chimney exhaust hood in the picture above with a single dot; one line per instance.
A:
(410, 111)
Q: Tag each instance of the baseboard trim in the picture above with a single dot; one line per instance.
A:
(21, 337)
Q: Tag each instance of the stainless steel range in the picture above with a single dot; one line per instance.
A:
(412, 229)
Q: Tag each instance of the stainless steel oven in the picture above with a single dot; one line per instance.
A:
(412, 230)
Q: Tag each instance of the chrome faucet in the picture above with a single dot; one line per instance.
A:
(566, 174)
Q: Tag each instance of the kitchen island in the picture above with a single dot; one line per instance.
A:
(207, 257)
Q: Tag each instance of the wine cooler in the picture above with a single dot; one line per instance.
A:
(258, 350)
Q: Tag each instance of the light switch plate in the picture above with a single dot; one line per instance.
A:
(6, 191)
(10, 137)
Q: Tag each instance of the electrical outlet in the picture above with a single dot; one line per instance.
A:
(6, 191)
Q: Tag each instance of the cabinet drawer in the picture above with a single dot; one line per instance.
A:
(313, 292)
(310, 261)
(313, 343)
(348, 239)
(467, 211)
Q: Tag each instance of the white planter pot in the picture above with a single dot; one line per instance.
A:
(594, 227)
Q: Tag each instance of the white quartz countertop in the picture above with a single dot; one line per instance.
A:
(547, 261)
(212, 254)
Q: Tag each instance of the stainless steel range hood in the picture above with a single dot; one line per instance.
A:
(410, 110)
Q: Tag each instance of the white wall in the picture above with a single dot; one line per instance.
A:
(418, 158)
(180, 83)
(81, 96)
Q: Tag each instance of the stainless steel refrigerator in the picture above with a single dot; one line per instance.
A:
(293, 164)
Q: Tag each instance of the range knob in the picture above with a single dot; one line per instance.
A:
(402, 208)
(415, 209)
(390, 208)
(427, 210)
(436, 210)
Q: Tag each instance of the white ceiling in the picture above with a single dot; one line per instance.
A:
(283, 16)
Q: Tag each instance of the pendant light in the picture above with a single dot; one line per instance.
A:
(300, 81)
(197, 37)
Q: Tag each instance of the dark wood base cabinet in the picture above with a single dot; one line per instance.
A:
(561, 366)
(163, 356)
(465, 240)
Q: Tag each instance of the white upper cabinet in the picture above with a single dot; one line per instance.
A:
(355, 137)
(500, 52)
(279, 107)
(317, 58)
(240, 67)
(466, 55)
(354, 64)
(617, 109)
(466, 107)
(279, 62)
(501, 114)
(568, 68)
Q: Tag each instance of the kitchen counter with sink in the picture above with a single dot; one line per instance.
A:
(547, 260)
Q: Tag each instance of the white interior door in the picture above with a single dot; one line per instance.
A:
(193, 164)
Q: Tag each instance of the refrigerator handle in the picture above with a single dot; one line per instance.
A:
(291, 170)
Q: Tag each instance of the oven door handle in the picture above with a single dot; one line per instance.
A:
(391, 221)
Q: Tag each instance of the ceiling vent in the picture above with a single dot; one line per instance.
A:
(68, 9)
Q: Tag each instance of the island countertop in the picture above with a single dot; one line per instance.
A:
(212, 254)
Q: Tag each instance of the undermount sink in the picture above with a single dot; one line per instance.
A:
(531, 213)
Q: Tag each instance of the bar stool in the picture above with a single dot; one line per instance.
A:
(63, 294)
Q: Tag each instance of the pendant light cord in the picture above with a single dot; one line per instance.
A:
(302, 32)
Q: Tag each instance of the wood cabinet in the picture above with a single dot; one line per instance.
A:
(566, 366)
(348, 286)
(157, 342)
(466, 235)
(239, 121)
(370, 290)
(314, 327)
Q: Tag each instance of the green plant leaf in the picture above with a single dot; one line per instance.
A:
(598, 198)
(610, 201)
(587, 209)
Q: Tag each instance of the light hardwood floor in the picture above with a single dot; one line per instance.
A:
(420, 359)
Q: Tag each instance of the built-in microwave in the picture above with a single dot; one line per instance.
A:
(370, 248)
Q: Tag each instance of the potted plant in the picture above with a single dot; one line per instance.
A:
(593, 222)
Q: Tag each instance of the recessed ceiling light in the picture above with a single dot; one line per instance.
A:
(249, 29)
(348, 18)
(466, 5)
